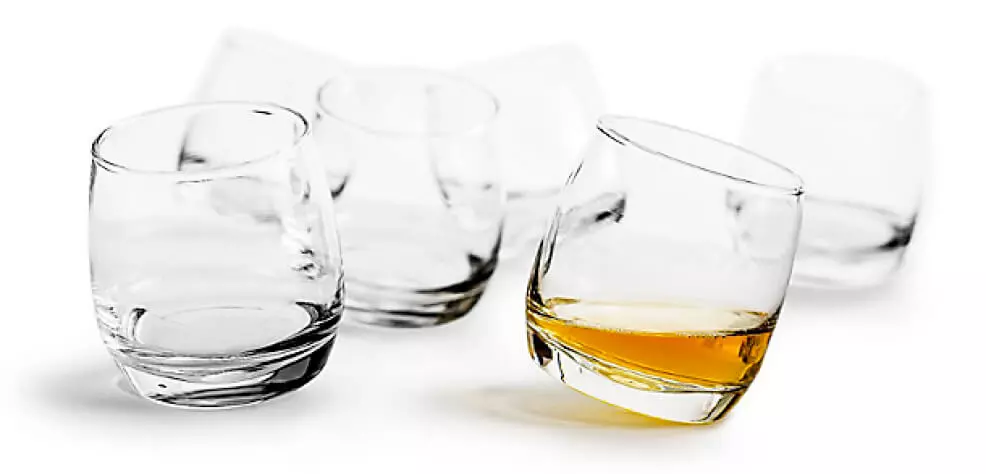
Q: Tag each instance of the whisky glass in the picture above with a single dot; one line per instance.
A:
(216, 270)
(857, 131)
(421, 211)
(665, 304)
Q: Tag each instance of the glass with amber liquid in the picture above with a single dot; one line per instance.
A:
(660, 280)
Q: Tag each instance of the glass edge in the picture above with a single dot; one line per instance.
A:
(113, 167)
(603, 126)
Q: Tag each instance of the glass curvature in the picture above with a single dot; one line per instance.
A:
(215, 265)
(664, 305)
(858, 132)
(420, 210)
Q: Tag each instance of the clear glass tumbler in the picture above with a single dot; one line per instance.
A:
(420, 210)
(666, 304)
(216, 271)
(857, 131)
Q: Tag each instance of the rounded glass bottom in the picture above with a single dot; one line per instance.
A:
(849, 246)
(863, 270)
(641, 393)
(243, 386)
(393, 307)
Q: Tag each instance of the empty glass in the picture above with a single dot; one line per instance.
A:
(666, 304)
(215, 265)
(419, 203)
(857, 131)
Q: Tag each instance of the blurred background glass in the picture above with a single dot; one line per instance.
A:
(666, 304)
(252, 65)
(215, 264)
(857, 131)
(420, 209)
(550, 100)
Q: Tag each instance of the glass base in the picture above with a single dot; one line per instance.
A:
(641, 393)
(392, 307)
(207, 389)
(853, 271)
(849, 246)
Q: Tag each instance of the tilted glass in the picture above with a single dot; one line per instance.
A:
(660, 279)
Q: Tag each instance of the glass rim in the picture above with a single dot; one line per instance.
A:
(606, 126)
(113, 166)
(384, 72)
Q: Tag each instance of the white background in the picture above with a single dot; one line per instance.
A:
(868, 381)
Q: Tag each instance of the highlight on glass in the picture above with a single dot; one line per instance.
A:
(418, 199)
(661, 278)
(215, 265)
(858, 132)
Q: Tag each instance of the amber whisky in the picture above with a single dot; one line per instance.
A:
(681, 345)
